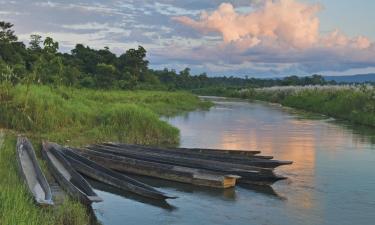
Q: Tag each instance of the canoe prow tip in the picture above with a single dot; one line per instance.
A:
(170, 197)
(95, 198)
(232, 176)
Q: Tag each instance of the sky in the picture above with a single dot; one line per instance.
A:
(257, 38)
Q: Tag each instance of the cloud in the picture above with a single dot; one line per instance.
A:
(278, 31)
(240, 37)
(285, 23)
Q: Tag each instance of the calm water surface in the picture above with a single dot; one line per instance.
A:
(331, 182)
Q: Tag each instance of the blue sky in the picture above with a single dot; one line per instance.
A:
(238, 37)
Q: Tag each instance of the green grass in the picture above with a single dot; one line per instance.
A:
(81, 116)
(354, 104)
(77, 117)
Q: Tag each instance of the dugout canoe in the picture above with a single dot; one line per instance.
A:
(32, 174)
(240, 159)
(183, 160)
(110, 177)
(164, 171)
(248, 174)
(69, 179)
(247, 153)
(260, 177)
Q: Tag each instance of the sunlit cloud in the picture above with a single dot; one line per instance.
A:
(287, 23)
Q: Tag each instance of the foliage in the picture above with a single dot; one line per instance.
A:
(353, 103)
(102, 69)
(65, 113)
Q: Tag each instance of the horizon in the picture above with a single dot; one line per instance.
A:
(231, 38)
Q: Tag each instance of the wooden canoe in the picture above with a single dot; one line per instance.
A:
(32, 174)
(69, 179)
(249, 153)
(254, 162)
(184, 161)
(168, 172)
(240, 159)
(248, 174)
(110, 177)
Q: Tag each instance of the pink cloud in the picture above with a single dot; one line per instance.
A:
(279, 23)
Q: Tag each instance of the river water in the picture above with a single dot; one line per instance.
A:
(332, 180)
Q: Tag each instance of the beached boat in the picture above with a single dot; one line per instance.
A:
(164, 171)
(69, 179)
(238, 159)
(32, 174)
(248, 174)
(245, 153)
(195, 162)
(107, 176)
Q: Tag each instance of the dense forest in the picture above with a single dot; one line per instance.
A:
(41, 62)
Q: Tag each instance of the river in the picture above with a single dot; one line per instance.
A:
(332, 180)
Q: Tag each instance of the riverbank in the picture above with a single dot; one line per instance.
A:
(352, 103)
(77, 117)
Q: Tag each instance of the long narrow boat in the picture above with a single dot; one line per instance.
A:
(235, 154)
(183, 160)
(248, 174)
(237, 159)
(246, 153)
(163, 171)
(256, 162)
(69, 179)
(32, 174)
(105, 175)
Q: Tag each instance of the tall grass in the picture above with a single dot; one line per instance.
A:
(62, 114)
(352, 103)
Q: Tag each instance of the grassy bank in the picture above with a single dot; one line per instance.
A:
(352, 103)
(77, 117)
(81, 116)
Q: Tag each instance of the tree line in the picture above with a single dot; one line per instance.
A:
(41, 62)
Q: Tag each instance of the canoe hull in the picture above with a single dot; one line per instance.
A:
(65, 176)
(167, 172)
(107, 176)
(32, 174)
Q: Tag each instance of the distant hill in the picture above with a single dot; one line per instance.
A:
(359, 78)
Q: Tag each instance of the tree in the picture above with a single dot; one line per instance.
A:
(35, 41)
(105, 75)
(6, 34)
(134, 62)
(50, 46)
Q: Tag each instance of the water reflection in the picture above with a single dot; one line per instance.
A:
(228, 194)
(320, 147)
(265, 190)
(127, 195)
(331, 182)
